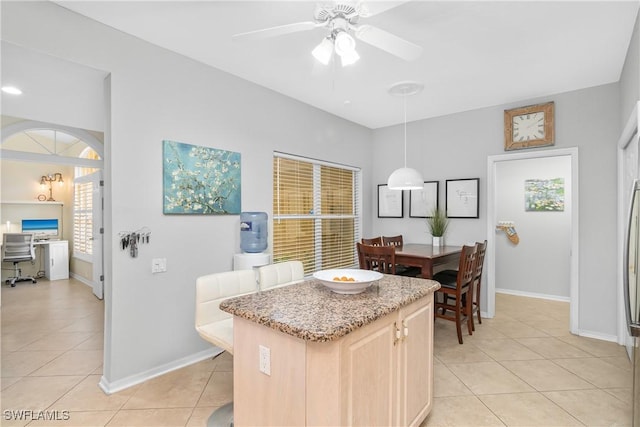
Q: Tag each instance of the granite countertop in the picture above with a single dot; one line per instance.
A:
(312, 312)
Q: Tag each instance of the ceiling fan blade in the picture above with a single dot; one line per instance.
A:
(276, 31)
(388, 42)
(370, 8)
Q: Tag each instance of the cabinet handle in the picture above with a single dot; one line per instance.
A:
(405, 329)
(397, 338)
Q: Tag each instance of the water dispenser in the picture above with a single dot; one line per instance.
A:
(253, 232)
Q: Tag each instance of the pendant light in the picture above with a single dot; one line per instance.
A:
(405, 178)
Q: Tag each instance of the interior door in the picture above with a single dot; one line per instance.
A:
(88, 229)
(98, 233)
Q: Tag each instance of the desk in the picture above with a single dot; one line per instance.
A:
(56, 258)
(425, 257)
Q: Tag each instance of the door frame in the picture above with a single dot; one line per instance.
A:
(87, 138)
(492, 162)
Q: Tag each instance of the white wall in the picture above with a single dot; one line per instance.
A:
(539, 263)
(62, 92)
(157, 95)
(457, 146)
(630, 76)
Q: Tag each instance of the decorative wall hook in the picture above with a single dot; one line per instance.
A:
(132, 239)
(510, 230)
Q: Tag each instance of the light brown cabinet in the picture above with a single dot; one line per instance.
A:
(378, 375)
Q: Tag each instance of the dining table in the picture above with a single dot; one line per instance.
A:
(426, 256)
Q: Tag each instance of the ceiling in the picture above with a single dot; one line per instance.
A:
(475, 54)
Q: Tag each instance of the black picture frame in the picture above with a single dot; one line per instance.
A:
(390, 202)
(462, 198)
(422, 202)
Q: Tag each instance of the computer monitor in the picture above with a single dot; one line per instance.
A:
(42, 228)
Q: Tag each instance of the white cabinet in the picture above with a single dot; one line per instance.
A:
(56, 260)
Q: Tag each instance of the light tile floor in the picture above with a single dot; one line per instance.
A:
(520, 368)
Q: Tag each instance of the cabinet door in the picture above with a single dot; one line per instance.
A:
(368, 368)
(416, 362)
(57, 266)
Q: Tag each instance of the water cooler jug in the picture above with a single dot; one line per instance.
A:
(254, 238)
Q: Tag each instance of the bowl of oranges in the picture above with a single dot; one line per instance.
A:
(347, 280)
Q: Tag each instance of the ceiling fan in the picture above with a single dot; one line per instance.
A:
(341, 19)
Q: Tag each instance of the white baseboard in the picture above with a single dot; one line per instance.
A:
(598, 336)
(532, 295)
(81, 279)
(119, 385)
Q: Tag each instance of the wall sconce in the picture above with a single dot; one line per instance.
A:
(51, 178)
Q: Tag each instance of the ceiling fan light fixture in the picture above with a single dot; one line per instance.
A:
(345, 44)
(348, 59)
(323, 51)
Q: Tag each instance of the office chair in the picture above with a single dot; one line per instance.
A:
(17, 248)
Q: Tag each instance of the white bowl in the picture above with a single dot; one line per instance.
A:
(362, 279)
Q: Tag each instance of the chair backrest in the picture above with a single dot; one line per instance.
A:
(376, 241)
(482, 249)
(214, 288)
(17, 247)
(466, 266)
(378, 258)
(393, 240)
(280, 274)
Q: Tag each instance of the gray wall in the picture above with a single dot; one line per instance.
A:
(156, 95)
(457, 146)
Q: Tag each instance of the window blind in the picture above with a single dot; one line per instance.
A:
(316, 210)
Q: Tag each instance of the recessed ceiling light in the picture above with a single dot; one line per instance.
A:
(11, 90)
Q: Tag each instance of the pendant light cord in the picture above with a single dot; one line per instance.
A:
(405, 130)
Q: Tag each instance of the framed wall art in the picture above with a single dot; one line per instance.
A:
(544, 195)
(200, 180)
(462, 198)
(423, 202)
(390, 202)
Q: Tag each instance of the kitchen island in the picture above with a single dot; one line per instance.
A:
(304, 355)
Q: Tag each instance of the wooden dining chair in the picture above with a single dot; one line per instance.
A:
(402, 270)
(452, 292)
(378, 258)
(477, 281)
(375, 241)
(393, 240)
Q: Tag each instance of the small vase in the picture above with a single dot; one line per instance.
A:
(437, 241)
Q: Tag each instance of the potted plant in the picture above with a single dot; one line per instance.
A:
(437, 223)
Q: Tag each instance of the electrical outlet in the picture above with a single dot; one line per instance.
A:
(265, 360)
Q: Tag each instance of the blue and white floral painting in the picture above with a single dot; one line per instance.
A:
(200, 180)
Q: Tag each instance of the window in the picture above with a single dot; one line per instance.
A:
(84, 183)
(316, 212)
(83, 219)
(87, 153)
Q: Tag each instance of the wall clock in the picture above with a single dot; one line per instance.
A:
(528, 127)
